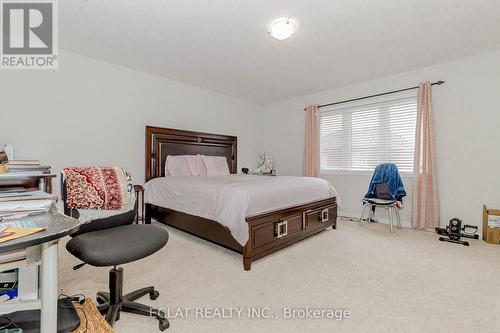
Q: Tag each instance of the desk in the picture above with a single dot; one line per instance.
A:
(57, 225)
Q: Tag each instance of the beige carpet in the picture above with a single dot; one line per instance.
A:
(407, 281)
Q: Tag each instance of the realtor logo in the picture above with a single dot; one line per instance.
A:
(29, 34)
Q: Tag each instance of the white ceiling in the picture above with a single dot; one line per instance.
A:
(223, 45)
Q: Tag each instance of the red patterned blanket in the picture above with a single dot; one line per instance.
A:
(96, 188)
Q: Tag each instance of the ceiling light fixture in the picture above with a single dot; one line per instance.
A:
(282, 28)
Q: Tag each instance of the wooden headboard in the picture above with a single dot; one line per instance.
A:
(161, 142)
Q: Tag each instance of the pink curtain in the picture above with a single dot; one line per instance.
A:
(425, 214)
(311, 151)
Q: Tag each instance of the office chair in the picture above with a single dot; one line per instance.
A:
(113, 241)
(385, 190)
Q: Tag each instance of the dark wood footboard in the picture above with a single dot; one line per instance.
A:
(268, 233)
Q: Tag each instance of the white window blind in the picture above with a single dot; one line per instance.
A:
(357, 138)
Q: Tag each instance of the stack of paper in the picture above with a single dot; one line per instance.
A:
(13, 209)
(12, 189)
(10, 230)
(16, 204)
(13, 233)
(22, 173)
(25, 196)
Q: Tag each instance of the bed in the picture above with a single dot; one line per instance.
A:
(233, 211)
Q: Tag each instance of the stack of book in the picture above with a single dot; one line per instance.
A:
(26, 166)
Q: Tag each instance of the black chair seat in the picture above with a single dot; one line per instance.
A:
(379, 202)
(119, 245)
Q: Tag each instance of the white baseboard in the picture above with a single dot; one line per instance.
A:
(381, 219)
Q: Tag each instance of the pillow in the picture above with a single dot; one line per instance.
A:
(177, 166)
(202, 168)
(216, 166)
(196, 165)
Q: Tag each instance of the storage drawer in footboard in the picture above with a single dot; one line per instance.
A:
(275, 230)
(321, 217)
(272, 233)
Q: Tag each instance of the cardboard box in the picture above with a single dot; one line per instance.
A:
(491, 225)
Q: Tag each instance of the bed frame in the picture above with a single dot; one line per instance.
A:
(268, 232)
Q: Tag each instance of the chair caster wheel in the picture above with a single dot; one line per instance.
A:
(154, 295)
(163, 324)
(100, 300)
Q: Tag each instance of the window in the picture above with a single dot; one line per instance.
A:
(357, 138)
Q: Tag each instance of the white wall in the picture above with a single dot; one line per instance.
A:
(92, 112)
(89, 112)
(467, 123)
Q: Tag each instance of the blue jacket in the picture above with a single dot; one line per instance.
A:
(387, 172)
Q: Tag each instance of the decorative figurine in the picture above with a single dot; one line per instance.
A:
(265, 164)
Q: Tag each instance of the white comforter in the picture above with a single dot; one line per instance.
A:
(230, 199)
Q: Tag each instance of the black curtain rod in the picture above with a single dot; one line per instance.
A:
(377, 95)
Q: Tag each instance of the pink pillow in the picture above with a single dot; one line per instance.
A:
(177, 166)
(196, 165)
(216, 165)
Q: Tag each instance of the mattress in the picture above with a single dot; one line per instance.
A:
(230, 199)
